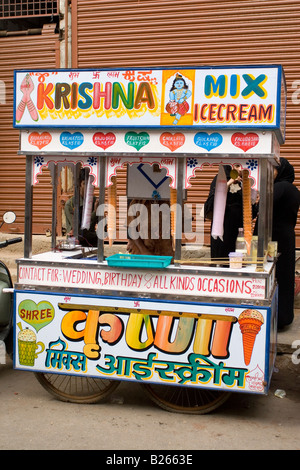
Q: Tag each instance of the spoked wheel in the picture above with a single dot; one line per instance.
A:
(189, 400)
(75, 389)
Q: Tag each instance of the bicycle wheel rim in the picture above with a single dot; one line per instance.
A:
(76, 389)
(189, 400)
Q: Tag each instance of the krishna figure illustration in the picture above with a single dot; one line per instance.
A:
(179, 93)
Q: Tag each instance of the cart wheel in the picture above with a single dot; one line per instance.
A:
(74, 389)
(189, 400)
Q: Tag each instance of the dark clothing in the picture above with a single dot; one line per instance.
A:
(285, 171)
(86, 237)
(285, 209)
(233, 218)
(162, 242)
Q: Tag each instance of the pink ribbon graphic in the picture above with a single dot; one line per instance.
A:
(26, 88)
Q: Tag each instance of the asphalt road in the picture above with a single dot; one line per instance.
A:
(31, 419)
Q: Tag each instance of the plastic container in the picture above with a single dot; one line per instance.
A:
(272, 251)
(236, 260)
(240, 245)
(138, 261)
(72, 242)
(254, 242)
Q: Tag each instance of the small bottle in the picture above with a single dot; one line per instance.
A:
(272, 251)
(254, 242)
(240, 245)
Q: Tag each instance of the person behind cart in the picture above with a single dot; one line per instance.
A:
(86, 236)
(233, 217)
(145, 238)
(286, 201)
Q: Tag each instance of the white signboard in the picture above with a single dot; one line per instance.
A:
(239, 97)
(143, 340)
(148, 141)
(145, 281)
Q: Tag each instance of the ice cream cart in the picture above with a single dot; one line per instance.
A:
(189, 331)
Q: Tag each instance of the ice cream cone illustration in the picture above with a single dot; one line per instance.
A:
(250, 322)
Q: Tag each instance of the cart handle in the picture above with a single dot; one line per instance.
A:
(10, 242)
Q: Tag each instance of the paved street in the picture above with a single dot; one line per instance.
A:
(32, 419)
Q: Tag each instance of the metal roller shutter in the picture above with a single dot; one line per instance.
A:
(149, 33)
(22, 52)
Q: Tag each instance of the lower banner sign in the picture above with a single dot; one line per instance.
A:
(183, 343)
